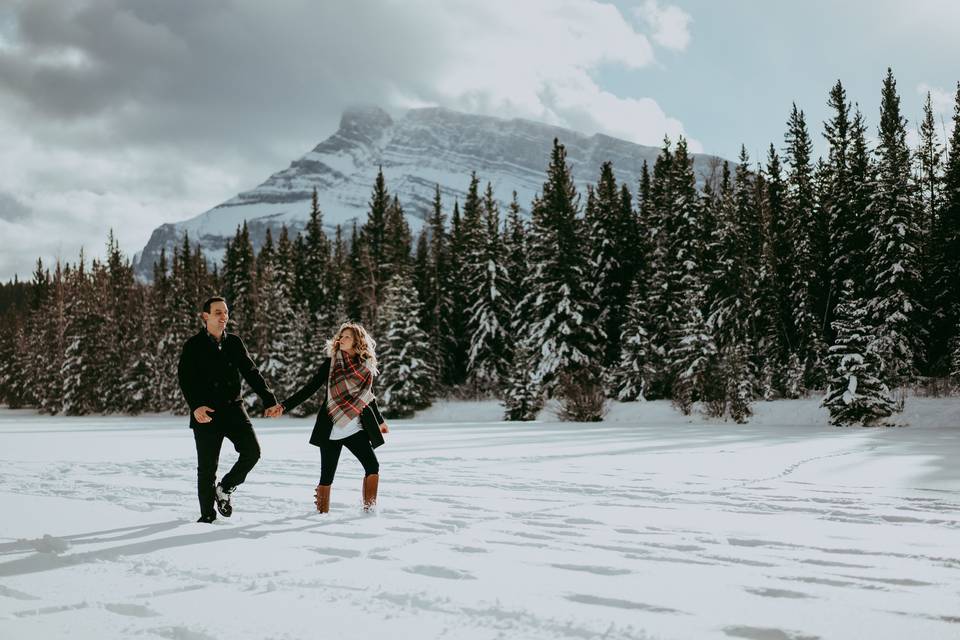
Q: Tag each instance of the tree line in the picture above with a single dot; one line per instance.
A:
(775, 279)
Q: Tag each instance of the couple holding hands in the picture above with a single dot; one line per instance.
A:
(209, 371)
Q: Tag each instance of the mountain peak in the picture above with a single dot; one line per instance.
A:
(424, 149)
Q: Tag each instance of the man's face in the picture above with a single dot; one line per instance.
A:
(217, 318)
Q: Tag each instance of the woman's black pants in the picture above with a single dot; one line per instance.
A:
(359, 446)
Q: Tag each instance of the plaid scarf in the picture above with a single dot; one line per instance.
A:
(350, 387)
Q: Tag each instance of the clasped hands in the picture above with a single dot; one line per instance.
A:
(274, 412)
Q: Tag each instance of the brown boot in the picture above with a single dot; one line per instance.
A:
(323, 498)
(370, 491)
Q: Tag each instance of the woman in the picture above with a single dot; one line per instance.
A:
(349, 416)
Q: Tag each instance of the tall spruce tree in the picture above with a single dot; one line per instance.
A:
(488, 317)
(806, 274)
(837, 198)
(561, 304)
(856, 393)
(634, 371)
(278, 328)
(371, 252)
(455, 338)
(893, 268)
(406, 380)
(608, 255)
(733, 291)
(240, 280)
(661, 292)
(691, 354)
(436, 297)
(946, 263)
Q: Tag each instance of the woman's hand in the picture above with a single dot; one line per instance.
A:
(202, 414)
(274, 412)
(384, 428)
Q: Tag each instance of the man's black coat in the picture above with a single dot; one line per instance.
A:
(209, 374)
(370, 418)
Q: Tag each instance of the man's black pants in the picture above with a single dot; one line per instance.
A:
(233, 424)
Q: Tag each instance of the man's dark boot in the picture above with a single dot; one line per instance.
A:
(208, 518)
(222, 497)
(370, 483)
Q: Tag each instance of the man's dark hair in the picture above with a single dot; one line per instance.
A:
(210, 301)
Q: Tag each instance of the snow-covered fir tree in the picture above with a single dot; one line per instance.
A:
(692, 350)
(634, 371)
(733, 290)
(436, 297)
(559, 299)
(279, 324)
(806, 272)
(607, 251)
(945, 260)
(631, 376)
(455, 340)
(855, 394)
(369, 245)
(521, 394)
(84, 366)
(488, 316)
(893, 268)
(661, 292)
(406, 380)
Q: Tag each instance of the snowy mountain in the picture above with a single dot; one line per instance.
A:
(422, 149)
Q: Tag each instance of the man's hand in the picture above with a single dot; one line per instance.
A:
(384, 428)
(200, 414)
(274, 412)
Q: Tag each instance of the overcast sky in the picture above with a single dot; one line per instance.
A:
(126, 114)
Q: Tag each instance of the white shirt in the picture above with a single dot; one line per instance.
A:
(347, 430)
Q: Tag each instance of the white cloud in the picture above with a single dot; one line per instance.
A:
(941, 100)
(535, 60)
(129, 115)
(670, 24)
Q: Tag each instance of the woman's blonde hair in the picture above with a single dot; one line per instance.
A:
(364, 344)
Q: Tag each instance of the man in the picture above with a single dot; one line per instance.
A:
(211, 364)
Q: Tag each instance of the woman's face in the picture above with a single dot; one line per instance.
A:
(346, 340)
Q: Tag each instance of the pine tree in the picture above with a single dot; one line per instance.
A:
(406, 380)
(856, 394)
(607, 255)
(455, 339)
(436, 297)
(278, 330)
(239, 273)
(894, 277)
(733, 290)
(770, 347)
(371, 249)
(488, 316)
(397, 242)
(631, 377)
(514, 254)
(560, 303)
(634, 371)
(838, 197)
(944, 265)
(661, 292)
(85, 366)
(521, 395)
(805, 282)
(692, 351)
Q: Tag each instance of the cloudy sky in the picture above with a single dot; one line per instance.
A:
(126, 114)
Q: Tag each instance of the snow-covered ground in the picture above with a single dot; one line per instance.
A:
(648, 525)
